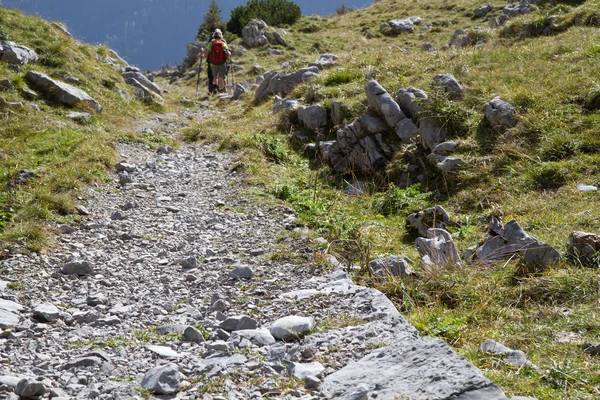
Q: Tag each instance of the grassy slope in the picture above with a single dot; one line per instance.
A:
(64, 154)
(530, 178)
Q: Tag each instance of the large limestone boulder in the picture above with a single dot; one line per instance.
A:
(280, 83)
(500, 113)
(16, 54)
(61, 92)
(257, 33)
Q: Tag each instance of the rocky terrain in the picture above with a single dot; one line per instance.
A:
(167, 288)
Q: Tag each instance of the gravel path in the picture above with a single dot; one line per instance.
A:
(168, 288)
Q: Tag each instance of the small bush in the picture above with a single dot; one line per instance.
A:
(400, 201)
(340, 77)
(272, 148)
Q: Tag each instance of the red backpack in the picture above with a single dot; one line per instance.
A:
(217, 53)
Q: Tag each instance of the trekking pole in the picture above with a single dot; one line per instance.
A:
(199, 71)
(232, 74)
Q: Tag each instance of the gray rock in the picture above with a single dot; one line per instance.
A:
(82, 210)
(380, 101)
(260, 337)
(143, 92)
(164, 379)
(238, 91)
(445, 148)
(483, 11)
(282, 105)
(431, 133)
(291, 327)
(302, 371)
(8, 319)
(407, 370)
(5, 84)
(193, 335)
(190, 263)
(427, 47)
(253, 34)
(433, 217)
(391, 266)
(586, 188)
(171, 329)
(10, 306)
(438, 249)
(448, 83)
(500, 114)
(515, 358)
(450, 164)
(238, 323)
(165, 352)
(79, 116)
(130, 76)
(84, 362)
(164, 149)
(398, 26)
(46, 312)
(16, 54)
(583, 246)
(241, 272)
(10, 381)
(78, 267)
(513, 10)
(338, 112)
(406, 130)
(62, 28)
(356, 188)
(312, 117)
(411, 100)
(281, 83)
(372, 125)
(61, 92)
(505, 241)
(325, 61)
(30, 388)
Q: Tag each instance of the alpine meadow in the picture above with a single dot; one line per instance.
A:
(397, 201)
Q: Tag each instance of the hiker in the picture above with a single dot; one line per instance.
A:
(218, 54)
(204, 54)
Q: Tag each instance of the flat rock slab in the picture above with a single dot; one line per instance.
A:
(8, 319)
(165, 352)
(163, 380)
(291, 327)
(62, 92)
(424, 369)
(10, 306)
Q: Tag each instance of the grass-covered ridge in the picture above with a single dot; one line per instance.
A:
(529, 175)
(63, 154)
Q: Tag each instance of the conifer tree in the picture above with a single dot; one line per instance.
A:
(212, 21)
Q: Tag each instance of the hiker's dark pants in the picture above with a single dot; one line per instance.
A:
(211, 85)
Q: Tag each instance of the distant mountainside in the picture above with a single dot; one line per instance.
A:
(147, 33)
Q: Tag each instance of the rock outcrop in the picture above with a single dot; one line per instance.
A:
(280, 83)
(257, 33)
(61, 92)
(16, 54)
(398, 26)
(504, 241)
